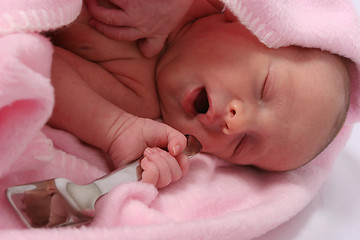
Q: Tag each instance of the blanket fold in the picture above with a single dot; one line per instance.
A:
(36, 16)
(26, 95)
(216, 200)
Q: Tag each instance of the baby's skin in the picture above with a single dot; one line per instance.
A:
(274, 109)
(106, 95)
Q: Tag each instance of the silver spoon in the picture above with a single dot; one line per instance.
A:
(59, 202)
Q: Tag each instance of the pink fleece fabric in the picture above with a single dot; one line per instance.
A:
(216, 200)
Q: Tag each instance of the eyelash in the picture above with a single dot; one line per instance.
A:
(264, 88)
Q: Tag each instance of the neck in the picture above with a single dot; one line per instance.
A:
(199, 9)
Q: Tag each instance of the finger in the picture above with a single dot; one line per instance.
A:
(176, 142)
(161, 158)
(184, 163)
(117, 33)
(150, 172)
(150, 47)
(155, 156)
(110, 16)
(164, 136)
(176, 145)
(219, 5)
(172, 162)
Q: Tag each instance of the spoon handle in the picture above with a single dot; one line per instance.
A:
(122, 175)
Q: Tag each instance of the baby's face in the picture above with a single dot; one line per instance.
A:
(246, 103)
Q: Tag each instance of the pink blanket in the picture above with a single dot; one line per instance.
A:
(215, 200)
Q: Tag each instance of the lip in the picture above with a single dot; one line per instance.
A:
(188, 101)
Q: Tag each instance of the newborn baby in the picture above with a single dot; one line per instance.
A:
(274, 109)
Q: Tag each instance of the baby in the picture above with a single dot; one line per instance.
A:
(274, 109)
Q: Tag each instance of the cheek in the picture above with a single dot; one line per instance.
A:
(165, 96)
(180, 123)
(171, 113)
(173, 119)
(161, 84)
(167, 88)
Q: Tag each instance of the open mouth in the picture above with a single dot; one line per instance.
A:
(196, 102)
(201, 102)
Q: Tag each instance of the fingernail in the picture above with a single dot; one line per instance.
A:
(148, 151)
(176, 149)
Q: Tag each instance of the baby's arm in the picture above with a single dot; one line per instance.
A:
(78, 108)
(83, 112)
(149, 21)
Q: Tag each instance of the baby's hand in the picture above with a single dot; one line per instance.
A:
(160, 168)
(151, 21)
(128, 139)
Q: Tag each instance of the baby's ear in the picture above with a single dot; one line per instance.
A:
(230, 17)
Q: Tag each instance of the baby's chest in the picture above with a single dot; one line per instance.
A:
(130, 84)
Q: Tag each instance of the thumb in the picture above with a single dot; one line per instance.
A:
(150, 47)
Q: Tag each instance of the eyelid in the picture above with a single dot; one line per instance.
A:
(265, 87)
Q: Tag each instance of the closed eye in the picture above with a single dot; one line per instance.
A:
(264, 87)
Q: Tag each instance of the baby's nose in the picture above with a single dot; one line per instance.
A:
(235, 118)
